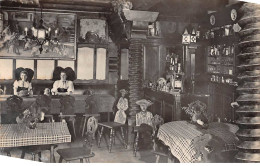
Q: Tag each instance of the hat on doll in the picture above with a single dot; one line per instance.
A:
(144, 102)
(123, 91)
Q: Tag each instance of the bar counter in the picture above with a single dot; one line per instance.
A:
(169, 105)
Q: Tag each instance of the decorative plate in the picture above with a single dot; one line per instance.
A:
(236, 27)
(233, 14)
(212, 20)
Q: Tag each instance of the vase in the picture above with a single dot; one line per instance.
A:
(31, 124)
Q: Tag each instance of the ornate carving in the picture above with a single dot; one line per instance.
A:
(120, 5)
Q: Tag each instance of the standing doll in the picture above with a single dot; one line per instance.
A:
(122, 106)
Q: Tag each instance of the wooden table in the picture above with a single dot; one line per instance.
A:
(16, 135)
(182, 138)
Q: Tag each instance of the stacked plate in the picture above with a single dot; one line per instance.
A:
(249, 90)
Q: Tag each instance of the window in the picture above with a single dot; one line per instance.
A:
(6, 69)
(101, 64)
(25, 64)
(65, 64)
(45, 69)
(91, 63)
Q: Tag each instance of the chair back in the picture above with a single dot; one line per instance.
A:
(14, 103)
(43, 102)
(157, 121)
(67, 105)
(92, 126)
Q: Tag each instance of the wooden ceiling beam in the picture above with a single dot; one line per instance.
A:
(74, 7)
(102, 3)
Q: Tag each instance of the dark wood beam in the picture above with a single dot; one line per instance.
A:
(75, 7)
(104, 3)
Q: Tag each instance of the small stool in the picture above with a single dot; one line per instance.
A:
(112, 126)
(76, 153)
(86, 116)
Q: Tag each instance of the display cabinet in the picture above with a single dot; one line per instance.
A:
(221, 60)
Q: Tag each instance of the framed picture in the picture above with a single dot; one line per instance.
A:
(19, 37)
(21, 16)
(92, 31)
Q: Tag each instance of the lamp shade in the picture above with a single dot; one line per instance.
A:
(41, 34)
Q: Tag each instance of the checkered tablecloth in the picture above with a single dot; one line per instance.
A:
(14, 135)
(180, 135)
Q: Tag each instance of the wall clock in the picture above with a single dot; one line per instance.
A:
(233, 14)
(212, 20)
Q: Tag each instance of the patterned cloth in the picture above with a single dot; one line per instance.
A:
(180, 135)
(14, 135)
(144, 117)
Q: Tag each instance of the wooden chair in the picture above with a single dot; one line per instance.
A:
(156, 122)
(85, 152)
(112, 126)
(67, 111)
(86, 117)
(88, 108)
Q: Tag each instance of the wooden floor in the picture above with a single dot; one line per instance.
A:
(118, 155)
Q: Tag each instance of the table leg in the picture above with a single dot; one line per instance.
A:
(110, 140)
(123, 136)
(114, 137)
(84, 125)
(60, 160)
(100, 136)
(136, 143)
(52, 154)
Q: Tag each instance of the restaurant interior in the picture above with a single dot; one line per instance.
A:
(130, 81)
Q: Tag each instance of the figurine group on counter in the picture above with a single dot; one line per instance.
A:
(63, 82)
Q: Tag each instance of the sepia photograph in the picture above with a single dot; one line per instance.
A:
(129, 81)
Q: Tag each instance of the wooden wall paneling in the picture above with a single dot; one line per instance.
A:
(151, 63)
(95, 63)
(35, 69)
(124, 64)
(168, 111)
